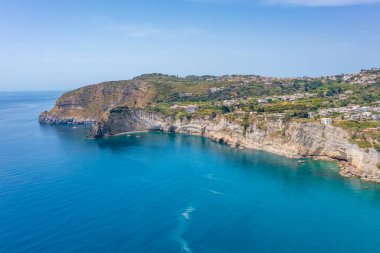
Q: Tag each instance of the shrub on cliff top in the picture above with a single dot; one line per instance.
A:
(245, 122)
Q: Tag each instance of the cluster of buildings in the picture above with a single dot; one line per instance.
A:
(364, 77)
(352, 112)
(264, 100)
(266, 80)
(286, 97)
(247, 79)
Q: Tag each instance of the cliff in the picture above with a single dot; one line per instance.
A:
(289, 138)
(87, 104)
(157, 102)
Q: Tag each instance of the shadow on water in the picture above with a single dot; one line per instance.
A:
(121, 143)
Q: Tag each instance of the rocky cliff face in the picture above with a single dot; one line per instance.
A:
(125, 119)
(118, 107)
(87, 104)
(288, 138)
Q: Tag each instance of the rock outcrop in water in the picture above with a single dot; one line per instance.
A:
(118, 107)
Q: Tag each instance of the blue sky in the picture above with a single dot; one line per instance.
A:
(66, 44)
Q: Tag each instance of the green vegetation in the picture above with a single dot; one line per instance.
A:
(183, 115)
(364, 144)
(245, 122)
(160, 108)
(357, 125)
(160, 92)
(237, 97)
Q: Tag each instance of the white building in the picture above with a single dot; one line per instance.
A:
(375, 116)
(355, 117)
(229, 102)
(215, 89)
(326, 121)
(191, 108)
(262, 100)
(367, 114)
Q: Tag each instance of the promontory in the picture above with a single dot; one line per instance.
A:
(332, 117)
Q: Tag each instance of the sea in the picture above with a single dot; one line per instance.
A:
(159, 192)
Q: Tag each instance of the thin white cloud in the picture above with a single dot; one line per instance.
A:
(140, 30)
(135, 30)
(321, 2)
(129, 29)
(293, 2)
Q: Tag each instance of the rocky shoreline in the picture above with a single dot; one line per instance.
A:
(291, 139)
(345, 169)
(116, 108)
(46, 118)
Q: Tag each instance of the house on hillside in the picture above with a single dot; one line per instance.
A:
(326, 121)
(262, 100)
(191, 108)
(355, 117)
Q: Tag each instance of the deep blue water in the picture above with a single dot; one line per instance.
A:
(154, 192)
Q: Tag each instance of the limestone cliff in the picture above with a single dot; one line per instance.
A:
(124, 106)
(288, 138)
(124, 119)
(87, 104)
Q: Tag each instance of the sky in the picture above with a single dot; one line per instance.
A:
(61, 45)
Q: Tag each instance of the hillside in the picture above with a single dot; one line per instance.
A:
(295, 96)
(336, 117)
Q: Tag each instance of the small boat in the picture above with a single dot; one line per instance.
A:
(301, 161)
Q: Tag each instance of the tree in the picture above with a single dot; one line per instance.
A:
(301, 114)
(261, 109)
(245, 122)
(368, 98)
(321, 94)
(225, 109)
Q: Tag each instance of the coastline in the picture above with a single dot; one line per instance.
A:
(131, 132)
(231, 134)
(345, 169)
(290, 139)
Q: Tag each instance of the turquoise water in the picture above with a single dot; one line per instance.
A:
(154, 192)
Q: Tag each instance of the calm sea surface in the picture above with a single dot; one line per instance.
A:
(154, 192)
